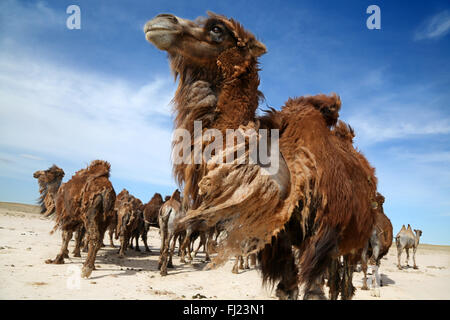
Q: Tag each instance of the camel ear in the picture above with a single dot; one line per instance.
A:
(257, 48)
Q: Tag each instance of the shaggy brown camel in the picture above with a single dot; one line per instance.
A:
(49, 183)
(130, 222)
(406, 239)
(170, 228)
(151, 210)
(319, 199)
(341, 273)
(86, 200)
(377, 247)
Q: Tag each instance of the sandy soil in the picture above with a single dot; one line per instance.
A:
(25, 243)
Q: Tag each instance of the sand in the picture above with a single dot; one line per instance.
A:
(25, 243)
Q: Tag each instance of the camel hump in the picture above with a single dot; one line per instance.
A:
(99, 168)
(328, 105)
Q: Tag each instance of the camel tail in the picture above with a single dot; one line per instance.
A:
(317, 254)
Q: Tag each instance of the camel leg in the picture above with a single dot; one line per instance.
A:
(124, 239)
(278, 262)
(206, 246)
(347, 289)
(399, 255)
(137, 242)
(407, 256)
(111, 241)
(186, 245)
(253, 259)
(144, 239)
(414, 258)
(246, 265)
(364, 267)
(241, 263)
(85, 242)
(78, 239)
(163, 233)
(66, 236)
(235, 266)
(202, 242)
(334, 279)
(375, 292)
(172, 250)
(165, 254)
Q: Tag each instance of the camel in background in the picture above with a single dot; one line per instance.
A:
(406, 239)
(319, 200)
(85, 201)
(377, 247)
(170, 228)
(49, 183)
(130, 221)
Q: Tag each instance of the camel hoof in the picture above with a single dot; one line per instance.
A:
(289, 294)
(86, 272)
(375, 293)
(58, 260)
(364, 287)
(415, 267)
(235, 271)
(148, 250)
(314, 296)
(163, 273)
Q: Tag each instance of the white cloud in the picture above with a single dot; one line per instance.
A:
(58, 112)
(435, 27)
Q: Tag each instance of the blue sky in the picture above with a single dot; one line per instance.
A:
(70, 96)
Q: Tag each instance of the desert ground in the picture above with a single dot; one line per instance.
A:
(26, 242)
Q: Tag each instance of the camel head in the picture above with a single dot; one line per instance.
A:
(176, 195)
(212, 42)
(157, 199)
(418, 232)
(127, 217)
(52, 174)
(344, 131)
(49, 182)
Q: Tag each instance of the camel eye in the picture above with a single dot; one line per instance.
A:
(216, 30)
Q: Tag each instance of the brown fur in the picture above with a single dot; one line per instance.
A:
(129, 221)
(86, 200)
(321, 182)
(151, 210)
(169, 215)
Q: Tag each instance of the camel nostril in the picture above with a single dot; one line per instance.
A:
(169, 16)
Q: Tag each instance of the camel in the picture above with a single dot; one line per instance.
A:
(406, 239)
(247, 247)
(341, 272)
(151, 210)
(314, 195)
(49, 183)
(130, 222)
(377, 247)
(86, 202)
(170, 214)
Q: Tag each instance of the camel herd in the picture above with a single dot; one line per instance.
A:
(308, 223)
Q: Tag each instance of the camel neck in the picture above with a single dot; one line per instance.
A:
(237, 102)
(219, 104)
